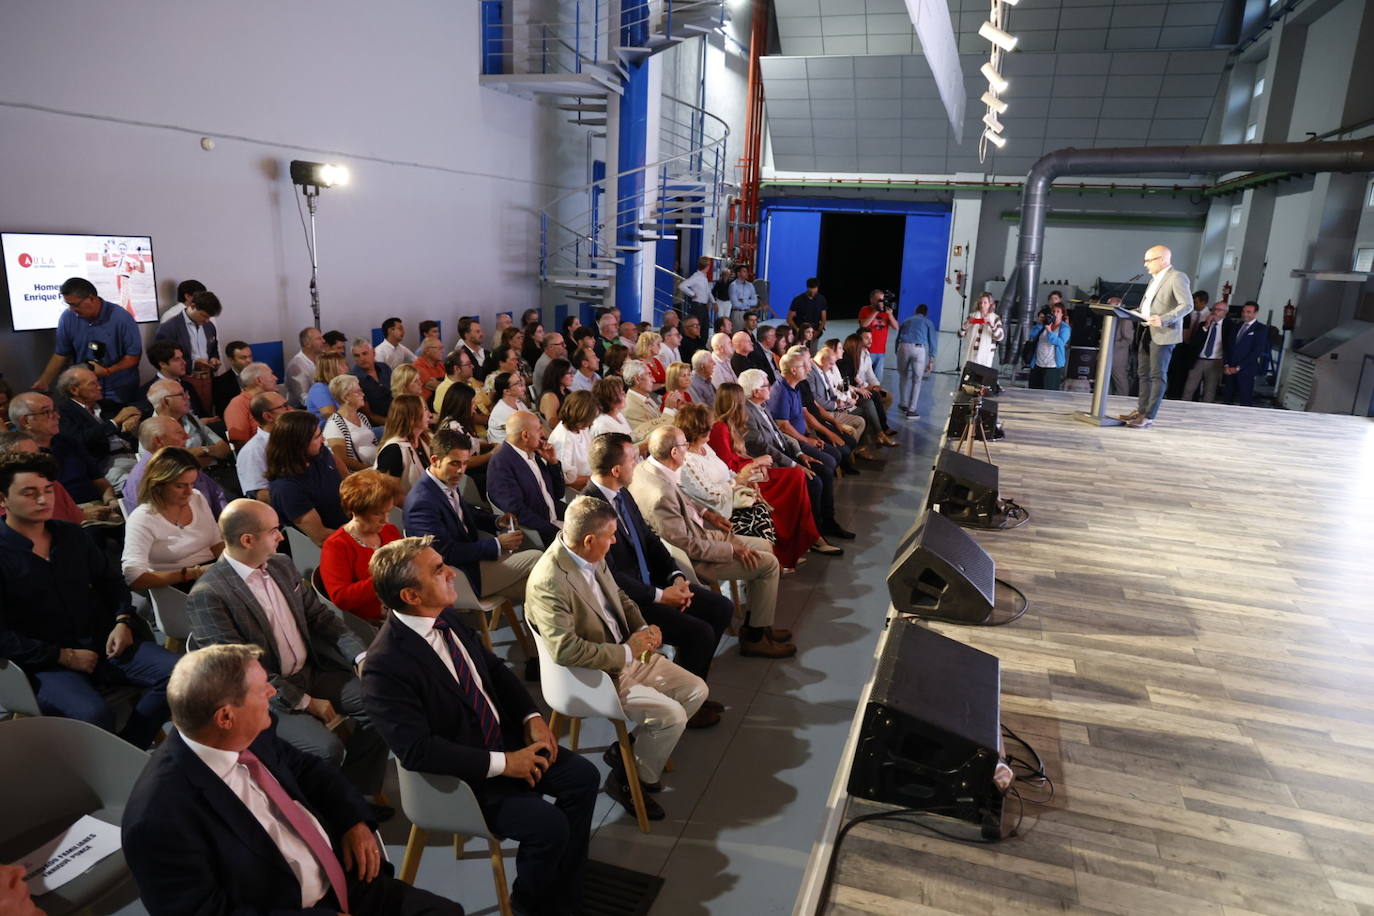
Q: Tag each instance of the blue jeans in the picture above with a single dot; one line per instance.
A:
(877, 359)
(1152, 362)
(75, 694)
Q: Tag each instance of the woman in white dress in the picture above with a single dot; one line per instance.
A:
(509, 390)
(171, 538)
(984, 332)
(347, 432)
(572, 437)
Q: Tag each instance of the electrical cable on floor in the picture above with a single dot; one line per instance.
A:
(987, 621)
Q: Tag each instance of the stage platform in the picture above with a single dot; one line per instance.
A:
(1196, 669)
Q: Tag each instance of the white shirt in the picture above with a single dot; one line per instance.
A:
(286, 635)
(199, 348)
(1213, 336)
(723, 371)
(496, 422)
(424, 628)
(588, 571)
(865, 374)
(153, 544)
(307, 869)
(538, 473)
(300, 375)
(1147, 300)
(601, 492)
(606, 423)
(394, 354)
(697, 288)
(709, 481)
(669, 355)
(252, 464)
(573, 450)
(362, 434)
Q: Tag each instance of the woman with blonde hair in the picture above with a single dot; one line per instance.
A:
(405, 441)
(348, 432)
(405, 379)
(984, 332)
(368, 498)
(648, 351)
(785, 489)
(318, 400)
(677, 385)
(171, 538)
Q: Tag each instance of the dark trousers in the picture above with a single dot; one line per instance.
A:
(1152, 369)
(553, 837)
(822, 496)
(1047, 379)
(360, 752)
(696, 631)
(1179, 367)
(388, 896)
(1239, 388)
(76, 695)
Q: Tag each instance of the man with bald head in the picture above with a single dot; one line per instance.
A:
(168, 398)
(721, 351)
(1167, 300)
(742, 342)
(525, 479)
(254, 596)
(159, 432)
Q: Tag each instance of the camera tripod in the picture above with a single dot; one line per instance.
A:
(973, 429)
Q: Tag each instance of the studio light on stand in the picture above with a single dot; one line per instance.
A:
(310, 177)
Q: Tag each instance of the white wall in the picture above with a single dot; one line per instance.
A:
(105, 105)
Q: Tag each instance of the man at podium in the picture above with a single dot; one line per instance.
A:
(1167, 299)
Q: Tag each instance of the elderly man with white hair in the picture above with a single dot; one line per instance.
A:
(168, 399)
(702, 389)
(641, 408)
(158, 432)
(238, 415)
(104, 427)
(721, 351)
(34, 413)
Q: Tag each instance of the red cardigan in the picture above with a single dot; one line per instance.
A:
(344, 574)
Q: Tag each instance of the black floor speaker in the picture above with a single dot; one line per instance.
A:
(942, 573)
(976, 375)
(964, 489)
(962, 410)
(931, 730)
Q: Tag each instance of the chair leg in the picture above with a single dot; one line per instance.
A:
(555, 723)
(522, 633)
(458, 841)
(668, 765)
(485, 629)
(627, 755)
(415, 847)
(175, 646)
(574, 733)
(498, 874)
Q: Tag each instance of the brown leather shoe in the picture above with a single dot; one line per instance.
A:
(713, 705)
(763, 647)
(778, 634)
(704, 718)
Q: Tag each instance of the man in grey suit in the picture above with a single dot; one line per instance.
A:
(1167, 299)
(254, 595)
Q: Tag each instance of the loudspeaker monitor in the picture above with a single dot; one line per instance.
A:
(963, 409)
(976, 375)
(931, 729)
(964, 488)
(941, 572)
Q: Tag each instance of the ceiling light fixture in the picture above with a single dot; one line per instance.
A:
(995, 80)
(998, 37)
(995, 139)
(993, 102)
(991, 121)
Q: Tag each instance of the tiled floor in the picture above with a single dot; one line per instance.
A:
(745, 799)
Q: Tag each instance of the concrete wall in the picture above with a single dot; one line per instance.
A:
(105, 104)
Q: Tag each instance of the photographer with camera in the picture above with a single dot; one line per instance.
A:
(878, 318)
(1051, 340)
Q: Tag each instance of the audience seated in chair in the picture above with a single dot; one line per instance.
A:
(367, 497)
(690, 617)
(251, 462)
(404, 453)
(447, 705)
(64, 611)
(171, 538)
(238, 417)
(525, 478)
(171, 363)
(702, 389)
(715, 552)
(573, 601)
(230, 818)
(302, 477)
(154, 434)
(642, 410)
(254, 595)
(35, 414)
(168, 400)
(572, 437)
(107, 430)
(64, 508)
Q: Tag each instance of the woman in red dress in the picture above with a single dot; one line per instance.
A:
(783, 488)
(368, 497)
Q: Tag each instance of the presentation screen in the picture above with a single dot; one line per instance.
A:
(37, 264)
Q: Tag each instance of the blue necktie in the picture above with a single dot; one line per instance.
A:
(467, 682)
(633, 534)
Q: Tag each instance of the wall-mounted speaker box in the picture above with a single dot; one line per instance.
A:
(930, 733)
(941, 572)
(962, 409)
(964, 488)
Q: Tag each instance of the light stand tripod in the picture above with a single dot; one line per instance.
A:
(973, 429)
(312, 193)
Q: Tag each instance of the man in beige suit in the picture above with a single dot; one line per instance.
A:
(572, 599)
(716, 554)
(1167, 299)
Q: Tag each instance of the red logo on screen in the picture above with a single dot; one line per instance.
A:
(26, 260)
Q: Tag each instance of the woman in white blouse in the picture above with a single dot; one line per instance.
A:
(509, 390)
(572, 437)
(171, 538)
(610, 397)
(347, 432)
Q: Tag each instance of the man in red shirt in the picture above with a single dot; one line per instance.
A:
(877, 317)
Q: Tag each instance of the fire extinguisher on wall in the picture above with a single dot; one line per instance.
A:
(1226, 292)
(1290, 313)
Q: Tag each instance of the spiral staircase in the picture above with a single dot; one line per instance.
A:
(590, 235)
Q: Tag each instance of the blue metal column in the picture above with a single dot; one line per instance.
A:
(633, 137)
(495, 55)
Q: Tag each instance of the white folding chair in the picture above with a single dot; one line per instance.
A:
(579, 693)
(305, 553)
(684, 562)
(445, 804)
(169, 610)
(397, 517)
(497, 607)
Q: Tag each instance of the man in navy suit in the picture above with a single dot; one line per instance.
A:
(1245, 354)
(227, 817)
(494, 565)
(692, 618)
(451, 707)
(193, 329)
(525, 479)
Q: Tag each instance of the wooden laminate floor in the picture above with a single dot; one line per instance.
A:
(1195, 669)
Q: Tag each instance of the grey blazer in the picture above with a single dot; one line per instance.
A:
(1172, 300)
(223, 610)
(762, 437)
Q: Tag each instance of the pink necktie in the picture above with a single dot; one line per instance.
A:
(307, 831)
